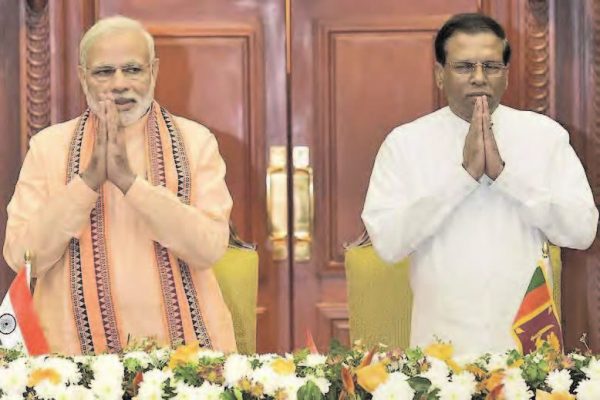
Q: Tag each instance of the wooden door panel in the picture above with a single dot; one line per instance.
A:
(375, 77)
(219, 98)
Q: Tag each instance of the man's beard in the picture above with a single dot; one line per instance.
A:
(128, 117)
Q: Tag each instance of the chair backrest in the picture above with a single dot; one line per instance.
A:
(380, 298)
(237, 274)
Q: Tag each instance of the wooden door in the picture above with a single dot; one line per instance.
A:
(360, 68)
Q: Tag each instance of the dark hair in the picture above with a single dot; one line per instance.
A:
(469, 23)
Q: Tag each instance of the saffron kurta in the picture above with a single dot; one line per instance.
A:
(474, 245)
(45, 213)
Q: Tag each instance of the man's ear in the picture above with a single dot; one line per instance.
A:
(81, 76)
(507, 71)
(439, 75)
(155, 65)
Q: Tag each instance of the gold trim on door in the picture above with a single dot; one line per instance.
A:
(303, 203)
(277, 202)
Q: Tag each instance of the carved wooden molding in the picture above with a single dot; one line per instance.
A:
(537, 56)
(37, 67)
(333, 318)
(593, 140)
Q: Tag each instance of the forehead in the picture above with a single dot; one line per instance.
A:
(117, 48)
(479, 46)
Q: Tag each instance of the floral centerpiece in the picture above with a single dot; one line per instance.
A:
(145, 371)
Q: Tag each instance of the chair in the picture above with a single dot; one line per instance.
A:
(380, 298)
(237, 274)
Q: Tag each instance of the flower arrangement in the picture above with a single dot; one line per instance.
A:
(145, 371)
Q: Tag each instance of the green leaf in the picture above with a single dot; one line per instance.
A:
(310, 391)
(419, 384)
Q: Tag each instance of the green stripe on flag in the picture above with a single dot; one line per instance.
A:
(537, 280)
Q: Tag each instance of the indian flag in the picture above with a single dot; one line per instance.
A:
(537, 320)
(19, 322)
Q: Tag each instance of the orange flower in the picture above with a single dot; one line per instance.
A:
(541, 395)
(441, 351)
(283, 366)
(184, 355)
(493, 381)
(371, 376)
(368, 358)
(444, 352)
(347, 381)
(43, 374)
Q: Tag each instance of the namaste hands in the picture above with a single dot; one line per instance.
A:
(109, 159)
(480, 153)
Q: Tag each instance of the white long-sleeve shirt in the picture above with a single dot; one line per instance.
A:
(474, 244)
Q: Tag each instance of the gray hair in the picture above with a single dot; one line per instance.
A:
(112, 24)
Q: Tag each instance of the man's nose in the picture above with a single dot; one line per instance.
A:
(478, 77)
(120, 82)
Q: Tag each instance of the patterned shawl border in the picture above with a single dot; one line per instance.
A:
(184, 179)
(165, 271)
(82, 323)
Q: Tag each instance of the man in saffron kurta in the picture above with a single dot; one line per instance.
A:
(125, 209)
(471, 192)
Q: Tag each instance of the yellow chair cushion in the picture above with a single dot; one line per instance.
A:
(237, 274)
(380, 298)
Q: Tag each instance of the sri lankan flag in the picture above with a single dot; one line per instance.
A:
(537, 320)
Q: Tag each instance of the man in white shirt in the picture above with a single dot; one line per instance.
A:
(471, 192)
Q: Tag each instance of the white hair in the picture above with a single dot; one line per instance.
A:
(109, 25)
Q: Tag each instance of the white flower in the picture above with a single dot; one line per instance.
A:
(515, 387)
(47, 390)
(437, 373)
(291, 384)
(588, 390)
(150, 392)
(395, 387)
(13, 378)
(105, 387)
(236, 367)
(142, 358)
(78, 393)
(68, 370)
(12, 397)
(267, 378)
(209, 391)
(186, 392)
(160, 356)
(467, 381)
(497, 361)
(207, 353)
(155, 378)
(454, 391)
(593, 369)
(314, 360)
(559, 381)
(322, 383)
(462, 387)
(108, 367)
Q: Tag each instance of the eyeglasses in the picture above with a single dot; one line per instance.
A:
(490, 68)
(132, 71)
